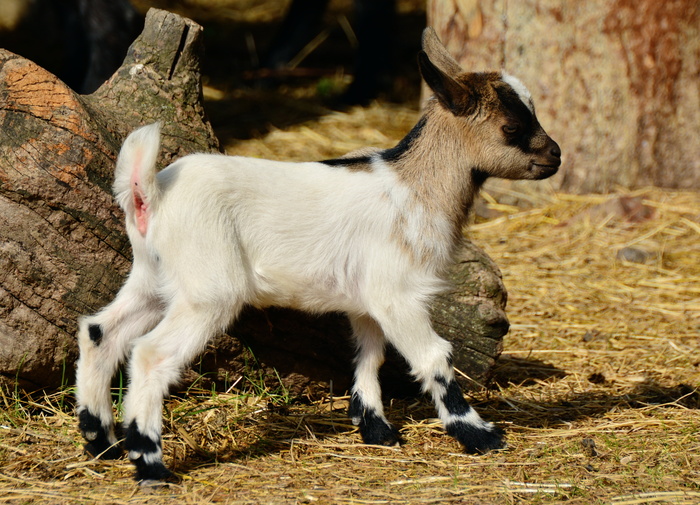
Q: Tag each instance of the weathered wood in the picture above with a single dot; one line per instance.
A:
(63, 249)
(64, 252)
(615, 82)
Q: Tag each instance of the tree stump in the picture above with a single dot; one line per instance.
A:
(615, 82)
(64, 250)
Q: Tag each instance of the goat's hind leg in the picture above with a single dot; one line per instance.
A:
(157, 361)
(104, 340)
(366, 410)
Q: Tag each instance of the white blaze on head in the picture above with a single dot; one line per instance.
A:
(520, 89)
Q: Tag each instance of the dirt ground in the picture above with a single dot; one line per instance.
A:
(597, 388)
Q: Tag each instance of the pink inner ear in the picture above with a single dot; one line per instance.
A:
(140, 210)
(140, 203)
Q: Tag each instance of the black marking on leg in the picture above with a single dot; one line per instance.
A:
(373, 428)
(136, 443)
(95, 333)
(453, 399)
(441, 380)
(476, 439)
(97, 436)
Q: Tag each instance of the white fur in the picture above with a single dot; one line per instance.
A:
(270, 233)
(520, 89)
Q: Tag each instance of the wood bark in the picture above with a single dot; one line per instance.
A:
(615, 82)
(63, 248)
(64, 251)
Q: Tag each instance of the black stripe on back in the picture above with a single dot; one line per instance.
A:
(348, 162)
(395, 153)
(392, 154)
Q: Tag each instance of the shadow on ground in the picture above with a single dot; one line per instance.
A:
(575, 406)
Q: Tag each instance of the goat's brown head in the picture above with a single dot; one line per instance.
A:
(496, 111)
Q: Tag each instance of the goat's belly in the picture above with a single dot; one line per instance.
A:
(311, 294)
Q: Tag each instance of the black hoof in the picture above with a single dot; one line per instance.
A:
(98, 444)
(378, 432)
(103, 450)
(145, 453)
(147, 474)
(477, 439)
(375, 430)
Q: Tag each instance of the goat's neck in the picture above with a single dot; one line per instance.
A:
(433, 161)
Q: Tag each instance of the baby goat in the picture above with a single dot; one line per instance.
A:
(370, 235)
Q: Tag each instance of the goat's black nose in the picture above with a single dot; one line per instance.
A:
(555, 150)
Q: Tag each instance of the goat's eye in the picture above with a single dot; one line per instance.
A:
(510, 129)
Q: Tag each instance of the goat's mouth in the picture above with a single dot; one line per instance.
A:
(543, 170)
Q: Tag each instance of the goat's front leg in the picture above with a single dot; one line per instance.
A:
(156, 363)
(460, 419)
(366, 410)
(429, 356)
(104, 339)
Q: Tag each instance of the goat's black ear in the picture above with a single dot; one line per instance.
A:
(453, 95)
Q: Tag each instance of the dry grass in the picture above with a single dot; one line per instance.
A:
(597, 387)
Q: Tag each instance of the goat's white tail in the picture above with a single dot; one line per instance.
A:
(135, 186)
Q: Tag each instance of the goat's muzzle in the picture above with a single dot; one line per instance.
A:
(547, 161)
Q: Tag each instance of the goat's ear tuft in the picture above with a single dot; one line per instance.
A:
(460, 100)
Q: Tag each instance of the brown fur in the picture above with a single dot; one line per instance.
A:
(464, 140)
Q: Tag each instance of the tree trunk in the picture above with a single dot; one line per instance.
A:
(64, 251)
(615, 82)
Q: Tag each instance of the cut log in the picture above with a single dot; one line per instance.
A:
(63, 248)
(64, 251)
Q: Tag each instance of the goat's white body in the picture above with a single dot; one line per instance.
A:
(299, 235)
